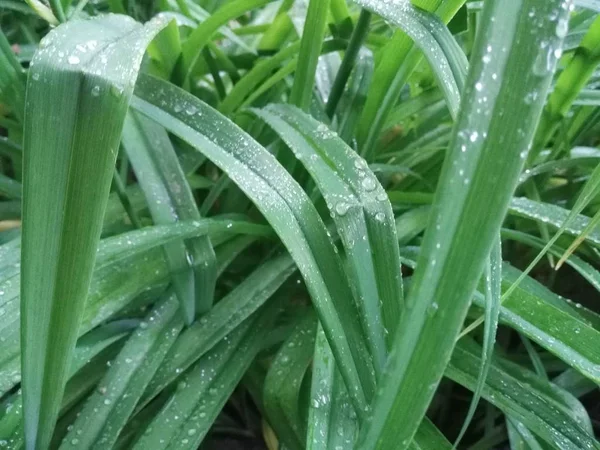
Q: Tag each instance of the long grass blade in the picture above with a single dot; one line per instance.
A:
(170, 199)
(288, 210)
(446, 277)
(65, 192)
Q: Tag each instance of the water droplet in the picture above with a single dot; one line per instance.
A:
(360, 164)
(96, 91)
(562, 27)
(380, 217)
(557, 53)
(341, 208)
(474, 135)
(479, 86)
(73, 60)
(191, 432)
(35, 76)
(74, 441)
(191, 110)
(432, 309)
(369, 184)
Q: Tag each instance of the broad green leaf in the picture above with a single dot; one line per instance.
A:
(68, 168)
(477, 181)
(289, 211)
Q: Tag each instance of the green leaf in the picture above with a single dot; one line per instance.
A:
(571, 80)
(12, 79)
(331, 417)
(288, 209)
(493, 294)
(107, 410)
(192, 47)
(170, 199)
(479, 175)
(398, 60)
(283, 383)
(203, 391)
(313, 35)
(224, 317)
(68, 168)
(362, 214)
(432, 37)
(524, 397)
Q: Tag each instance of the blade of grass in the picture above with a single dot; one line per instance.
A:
(170, 199)
(362, 214)
(203, 391)
(433, 38)
(283, 383)
(12, 79)
(107, 410)
(331, 424)
(571, 80)
(523, 397)
(356, 40)
(452, 259)
(289, 211)
(493, 293)
(226, 315)
(566, 331)
(313, 36)
(398, 59)
(191, 49)
(65, 192)
(577, 242)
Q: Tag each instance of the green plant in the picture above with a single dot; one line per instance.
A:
(285, 222)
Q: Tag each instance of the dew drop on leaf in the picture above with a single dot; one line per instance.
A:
(369, 184)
